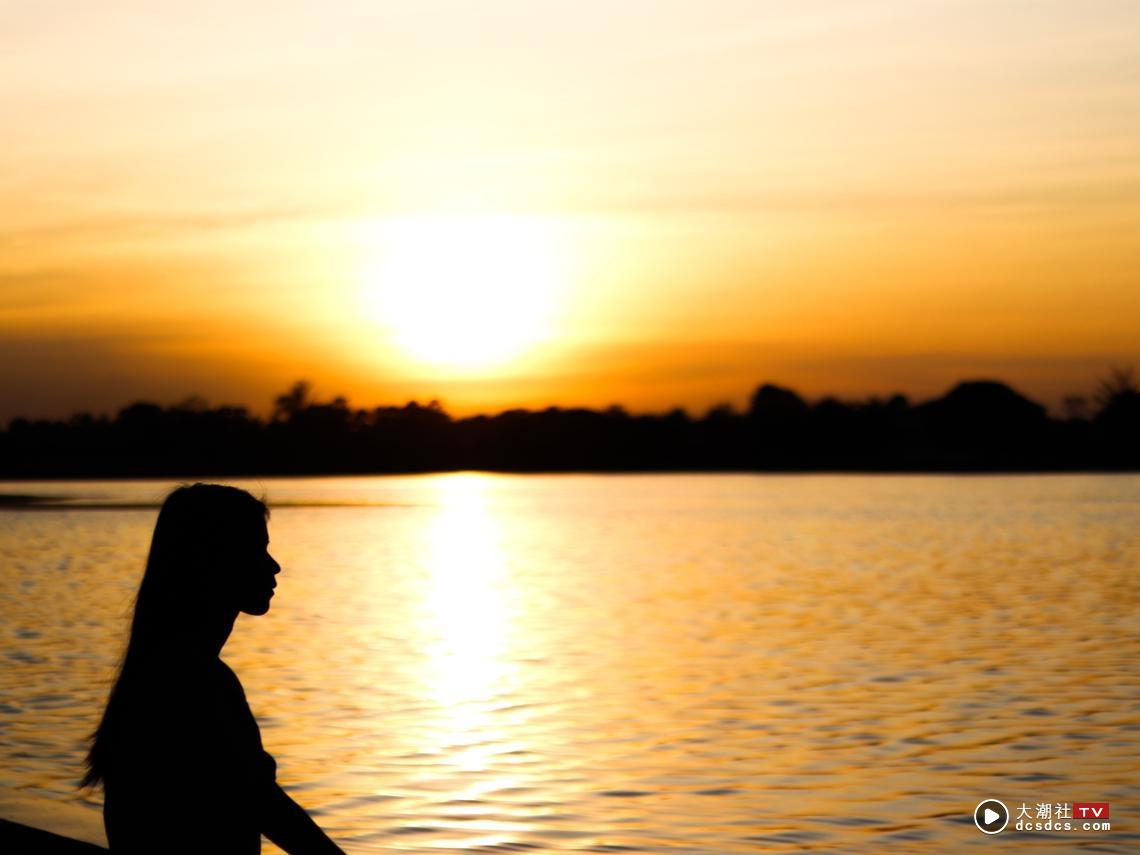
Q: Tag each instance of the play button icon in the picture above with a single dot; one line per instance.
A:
(991, 816)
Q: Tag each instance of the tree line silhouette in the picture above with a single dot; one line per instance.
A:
(977, 426)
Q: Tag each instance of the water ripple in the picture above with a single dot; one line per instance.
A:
(694, 664)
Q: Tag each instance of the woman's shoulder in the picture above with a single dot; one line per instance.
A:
(224, 673)
(226, 686)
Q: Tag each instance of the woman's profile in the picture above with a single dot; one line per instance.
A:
(178, 751)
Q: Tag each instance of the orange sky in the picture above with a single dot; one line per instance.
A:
(518, 203)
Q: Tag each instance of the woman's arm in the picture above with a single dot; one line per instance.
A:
(286, 824)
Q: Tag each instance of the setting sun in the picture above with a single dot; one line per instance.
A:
(466, 291)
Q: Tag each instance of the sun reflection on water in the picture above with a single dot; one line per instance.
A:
(467, 621)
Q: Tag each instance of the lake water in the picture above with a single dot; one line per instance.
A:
(672, 663)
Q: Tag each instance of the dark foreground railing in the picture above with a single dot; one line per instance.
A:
(16, 839)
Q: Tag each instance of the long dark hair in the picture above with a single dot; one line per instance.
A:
(197, 529)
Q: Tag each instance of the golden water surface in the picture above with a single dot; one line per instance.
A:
(698, 664)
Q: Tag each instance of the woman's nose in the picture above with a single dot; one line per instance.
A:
(273, 563)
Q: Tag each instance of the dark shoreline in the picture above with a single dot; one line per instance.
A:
(979, 426)
(7, 500)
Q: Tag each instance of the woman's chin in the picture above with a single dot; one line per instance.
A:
(258, 607)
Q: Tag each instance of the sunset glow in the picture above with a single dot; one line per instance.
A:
(463, 292)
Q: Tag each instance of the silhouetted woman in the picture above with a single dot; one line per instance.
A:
(178, 751)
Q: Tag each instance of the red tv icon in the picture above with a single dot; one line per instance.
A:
(1090, 810)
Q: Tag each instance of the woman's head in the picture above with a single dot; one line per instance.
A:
(209, 552)
(208, 560)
